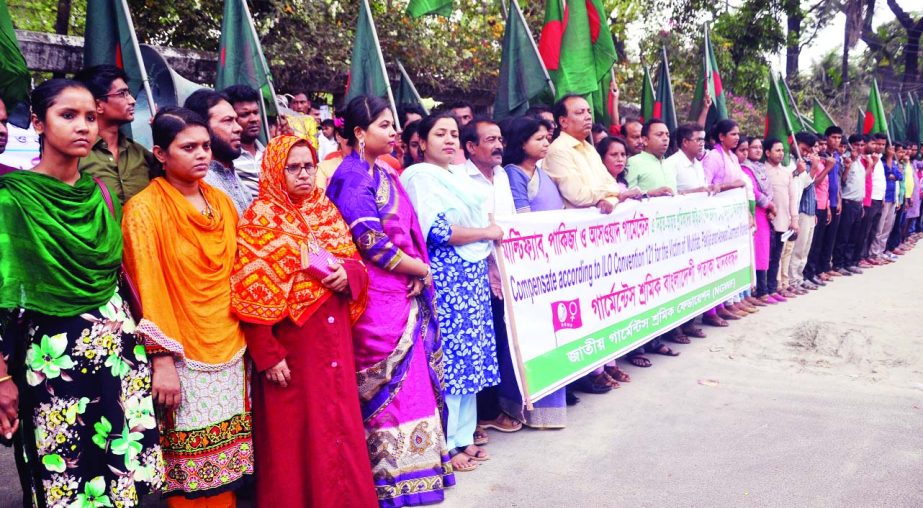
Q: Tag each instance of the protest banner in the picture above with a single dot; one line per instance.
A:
(583, 288)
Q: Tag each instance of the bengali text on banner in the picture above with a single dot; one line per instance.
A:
(584, 288)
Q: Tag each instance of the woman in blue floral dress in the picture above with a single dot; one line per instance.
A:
(75, 384)
(454, 220)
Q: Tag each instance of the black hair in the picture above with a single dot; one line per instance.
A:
(169, 122)
(771, 142)
(686, 131)
(806, 138)
(833, 129)
(742, 139)
(598, 127)
(603, 147)
(560, 107)
(518, 132)
(361, 112)
(203, 100)
(328, 123)
(241, 93)
(722, 128)
(98, 79)
(459, 105)
(427, 124)
(470, 132)
(856, 138)
(44, 96)
(632, 119)
(538, 109)
(406, 134)
(646, 128)
(407, 107)
(880, 135)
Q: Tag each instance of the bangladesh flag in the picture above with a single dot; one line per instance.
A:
(777, 120)
(577, 49)
(914, 119)
(897, 121)
(14, 75)
(406, 91)
(240, 58)
(522, 74)
(647, 97)
(664, 107)
(710, 80)
(875, 120)
(417, 8)
(108, 39)
(794, 119)
(822, 119)
(860, 122)
(367, 74)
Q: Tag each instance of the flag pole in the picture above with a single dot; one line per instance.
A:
(137, 50)
(381, 58)
(259, 50)
(416, 95)
(788, 125)
(515, 5)
(666, 66)
(819, 103)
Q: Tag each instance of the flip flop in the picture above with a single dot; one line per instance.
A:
(479, 455)
(665, 351)
(639, 361)
(617, 374)
(470, 466)
(480, 436)
(694, 332)
(679, 338)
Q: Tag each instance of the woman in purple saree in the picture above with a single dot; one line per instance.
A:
(397, 344)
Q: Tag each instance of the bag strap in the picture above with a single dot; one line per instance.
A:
(106, 194)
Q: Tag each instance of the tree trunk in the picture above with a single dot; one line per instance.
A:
(844, 70)
(911, 59)
(793, 46)
(61, 24)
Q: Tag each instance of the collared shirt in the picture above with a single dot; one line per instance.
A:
(822, 189)
(689, 173)
(501, 202)
(833, 180)
(879, 181)
(325, 146)
(125, 179)
(227, 181)
(579, 173)
(647, 172)
(783, 188)
(890, 185)
(854, 185)
(248, 168)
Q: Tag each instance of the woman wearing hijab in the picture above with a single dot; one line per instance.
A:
(297, 317)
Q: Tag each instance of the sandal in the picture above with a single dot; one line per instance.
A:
(694, 331)
(502, 423)
(480, 436)
(714, 320)
(478, 455)
(665, 351)
(678, 338)
(463, 465)
(593, 383)
(616, 374)
(639, 361)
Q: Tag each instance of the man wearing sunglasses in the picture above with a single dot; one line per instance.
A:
(123, 165)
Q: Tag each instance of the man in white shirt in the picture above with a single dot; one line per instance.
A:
(879, 186)
(686, 163)
(246, 103)
(483, 146)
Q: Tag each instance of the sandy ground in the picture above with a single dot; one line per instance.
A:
(817, 402)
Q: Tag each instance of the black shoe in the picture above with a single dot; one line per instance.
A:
(845, 272)
(571, 397)
(817, 282)
(855, 269)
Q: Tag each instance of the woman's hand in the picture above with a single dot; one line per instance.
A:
(165, 383)
(415, 287)
(280, 374)
(9, 408)
(493, 233)
(632, 193)
(660, 191)
(771, 208)
(337, 281)
(605, 206)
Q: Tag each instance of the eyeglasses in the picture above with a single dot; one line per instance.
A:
(296, 169)
(124, 94)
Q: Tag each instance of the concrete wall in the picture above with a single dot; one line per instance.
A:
(64, 53)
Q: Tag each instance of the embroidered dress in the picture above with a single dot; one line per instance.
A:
(398, 349)
(181, 261)
(87, 429)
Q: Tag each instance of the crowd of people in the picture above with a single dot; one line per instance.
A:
(220, 316)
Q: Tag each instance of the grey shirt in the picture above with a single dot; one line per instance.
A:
(853, 188)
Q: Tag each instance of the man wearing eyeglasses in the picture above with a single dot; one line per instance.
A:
(123, 165)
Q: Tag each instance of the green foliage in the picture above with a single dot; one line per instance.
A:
(40, 15)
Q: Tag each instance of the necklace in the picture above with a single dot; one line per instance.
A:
(208, 211)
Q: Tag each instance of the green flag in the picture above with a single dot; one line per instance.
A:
(914, 119)
(794, 119)
(406, 91)
(647, 97)
(577, 49)
(822, 119)
(860, 122)
(417, 8)
(240, 57)
(897, 121)
(875, 120)
(108, 40)
(367, 74)
(14, 75)
(664, 108)
(777, 119)
(710, 81)
(522, 74)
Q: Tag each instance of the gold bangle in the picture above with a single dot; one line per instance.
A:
(5, 378)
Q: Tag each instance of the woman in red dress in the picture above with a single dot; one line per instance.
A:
(297, 310)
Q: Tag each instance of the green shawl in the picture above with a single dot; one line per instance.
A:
(60, 248)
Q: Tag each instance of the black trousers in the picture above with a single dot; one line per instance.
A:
(844, 250)
(894, 239)
(775, 256)
(825, 263)
(762, 288)
(867, 232)
(812, 265)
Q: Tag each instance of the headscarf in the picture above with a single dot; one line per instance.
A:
(268, 283)
(60, 248)
(181, 261)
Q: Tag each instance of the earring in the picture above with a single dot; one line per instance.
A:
(362, 149)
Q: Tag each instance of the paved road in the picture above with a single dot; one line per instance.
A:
(782, 427)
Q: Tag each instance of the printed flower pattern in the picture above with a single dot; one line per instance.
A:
(465, 317)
